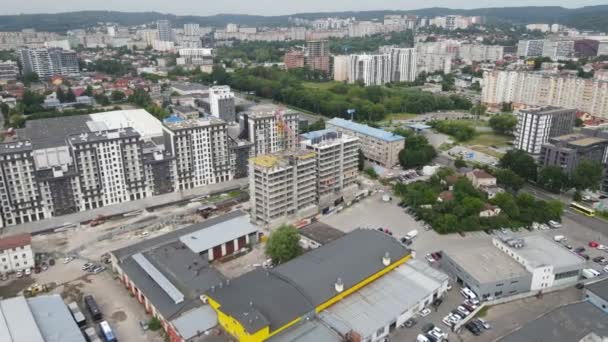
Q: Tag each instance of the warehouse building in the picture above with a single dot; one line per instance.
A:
(374, 311)
(597, 294)
(247, 306)
(169, 273)
(39, 319)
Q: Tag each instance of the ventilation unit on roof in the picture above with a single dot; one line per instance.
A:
(386, 259)
(339, 285)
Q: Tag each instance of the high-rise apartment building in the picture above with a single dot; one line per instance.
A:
(370, 69)
(9, 71)
(433, 62)
(378, 146)
(567, 151)
(558, 49)
(191, 29)
(294, 59)
(282, 186)
(317, 55)
(64, 165)
(165, 32)
(530, 48)
(49, 62)
(337, 156)
(470, 53)
(271, 130)
(536, 126)
(221, 103)
(341, 67)
(545, 89)
(404, 67)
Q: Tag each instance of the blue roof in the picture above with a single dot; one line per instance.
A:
(365, 129)
(316, 134)
(172, 119)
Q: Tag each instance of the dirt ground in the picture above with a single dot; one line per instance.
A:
(243, 263)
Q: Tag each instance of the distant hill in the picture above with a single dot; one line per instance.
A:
(585, 18)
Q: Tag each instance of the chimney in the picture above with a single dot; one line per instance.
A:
(339, 285)
(386, 259)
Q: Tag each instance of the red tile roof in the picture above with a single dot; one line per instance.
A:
(15, 241)
(482, 174)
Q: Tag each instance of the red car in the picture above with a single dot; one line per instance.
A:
(593, 244)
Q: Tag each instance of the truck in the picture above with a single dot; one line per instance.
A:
(589, 273)
(559, 238)
(77, 314)
(92, 307)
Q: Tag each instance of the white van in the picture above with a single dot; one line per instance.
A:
(422, 338)
(559, 238)
(589, 273)
(412, 234)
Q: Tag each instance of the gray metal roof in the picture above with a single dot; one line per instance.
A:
(379, 303)
(195, 322)
(540, 250)
(54, 319)
(159, 278)
(302, 284)
(565, 324)
(45, 133)
(600, 288)
(308, 331)
(320, 232)
(220, 233)
(17, 323)
(172, 236)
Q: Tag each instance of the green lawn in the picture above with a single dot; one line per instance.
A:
(489, 139)
(401, 116)
(474, 123)
(319, 85)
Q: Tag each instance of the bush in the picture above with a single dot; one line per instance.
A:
(371, 172)
(154, 324)
(460, 131)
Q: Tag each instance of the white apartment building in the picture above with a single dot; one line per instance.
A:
(282, 187)
(341, 68)
(470, 53)
(558, 49)
(165, 32)
(270, 129)
(432, 62)
(196, 56)
(404, 67)
(540, 27)
(16, 253)
(378, 146)
(530, 48)
(370, 69)
(9, 71)
(191, 29)
(337, 165)
(535, 126)
(602, 49)
(49, 62)
(201, 150)
(221, 103)
(545, 89)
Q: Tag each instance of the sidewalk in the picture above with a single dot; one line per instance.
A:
(122, 208)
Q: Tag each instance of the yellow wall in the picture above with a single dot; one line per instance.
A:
(234, 327)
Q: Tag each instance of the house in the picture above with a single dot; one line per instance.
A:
(492, 191)
(445, 196)
(480, 178)
(16, 253)
(489, 211)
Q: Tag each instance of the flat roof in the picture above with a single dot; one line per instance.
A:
(567, 323)
(377, 304)
(17, 323)
(195, 322)
(365, 129)
(54, 319)
(222, 232)
(600, 288)
(307, 331)
(321, 232)
(307, 281)
(485, 263)
(587, 141)
(539, 250)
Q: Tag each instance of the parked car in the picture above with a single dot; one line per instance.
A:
(438, 334)
(28, 272)
(99, 269)
(19, 274)
(472, 328)
(143, 325)
(579, 249)
(437, 302)
(485, 323)
(430, 258)
(606, 269)
(87, 266)
(555, 224)
(463, 310)
(593, 244)
(584, 256)
(599, 260)
(469, 307)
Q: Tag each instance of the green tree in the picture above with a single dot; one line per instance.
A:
(519, 162)
(361, 160)
(507, 204)
(16, 120)
(370, 172)
(509, 179)
(587, 175)
(140, 98)
(507, 107)
(468, 206)
(578, 122)
(117, 95)
(30, 77)
(503, 123)
(553, 178)
(461, 131)
(417, 152)
(479, 110)
(60, 95)
(459, 162)
(102, 99)
(154, 324)
(283, 244)
(88, 91)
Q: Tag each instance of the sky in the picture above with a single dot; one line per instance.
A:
(265, 7)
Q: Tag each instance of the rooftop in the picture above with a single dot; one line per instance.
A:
(568, 323)
(190, 87)
(600, 289)
(308, 331)
(218, 234)
(320, 232)
(485, 263)
(15, 241)
(175, 125)
(588, 141)
(281, 159)
(548, 110)
(353, 258)
(540, 251)
(378, 303)
(364, 129)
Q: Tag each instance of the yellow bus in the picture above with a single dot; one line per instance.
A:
(582, 209)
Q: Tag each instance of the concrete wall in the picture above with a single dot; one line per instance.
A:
(596, 300)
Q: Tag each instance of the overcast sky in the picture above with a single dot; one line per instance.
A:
(264, 7)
